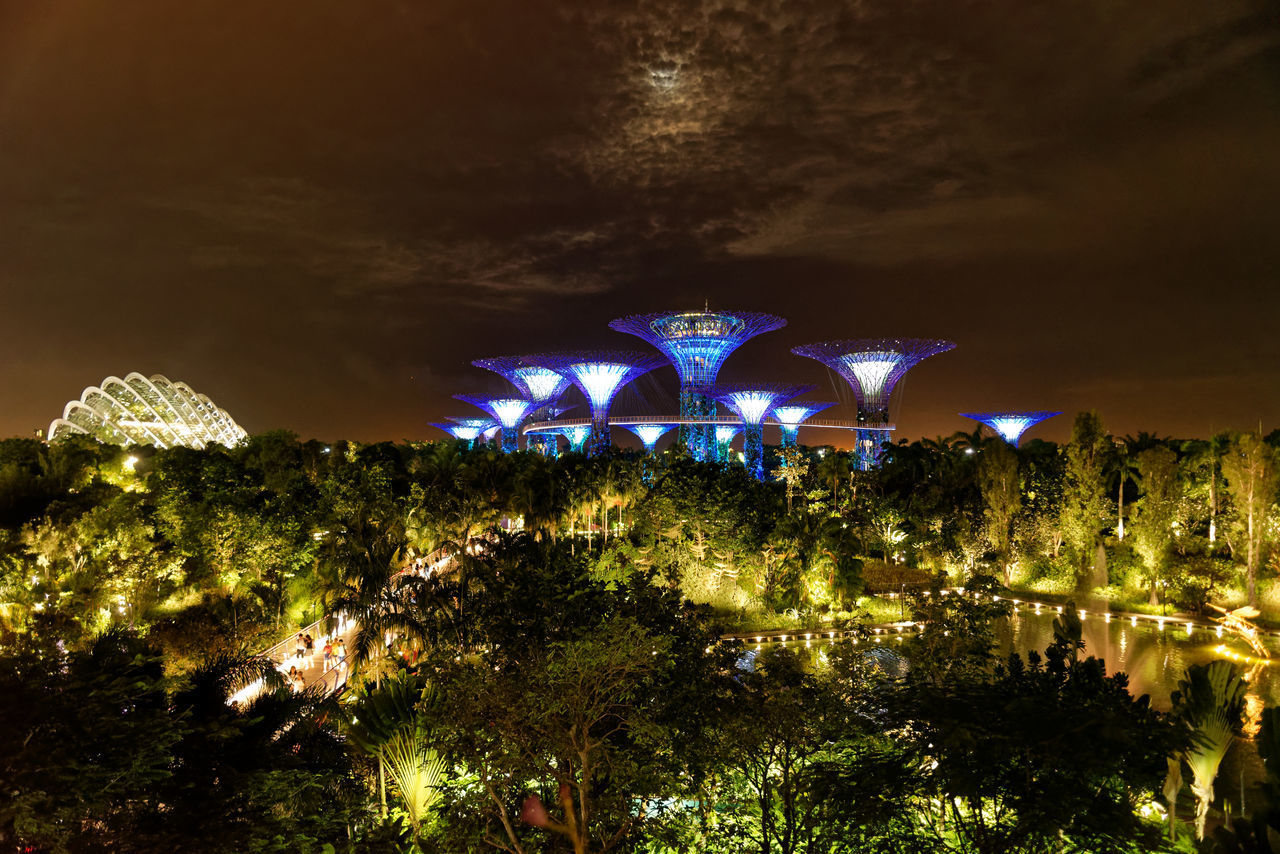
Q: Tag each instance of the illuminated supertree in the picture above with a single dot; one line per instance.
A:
(791, 416)
(725, 434)
(872, 367)
(536, 383)
(466, 430)
(599, 375)
(753, 402)
(489, 433)
(697, 343)
(576, 436)
(507, 411)
(547, 443)
(649, 434)
(1010, 425)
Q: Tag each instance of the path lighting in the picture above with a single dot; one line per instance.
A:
(1083, 613)
(1107, 616)
(1133, 621)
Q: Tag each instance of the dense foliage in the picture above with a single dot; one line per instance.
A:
(570, 685)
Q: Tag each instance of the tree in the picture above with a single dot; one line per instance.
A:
(792, 471)
(1083, 498)
(1155, 512)
(385, 723)
(1041, 755)
(1249, 467)
(1002, 497)
(1210, 702)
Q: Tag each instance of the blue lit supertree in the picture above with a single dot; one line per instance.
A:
(872, 367)
(507, 411)
(649, 434)
(576, 436)
(546, 441)
(725, 434)
(599, 375)
(465, 430)
(791, 416)
(753, 402)
(697, 343)
(1010, 425)
(536, 383)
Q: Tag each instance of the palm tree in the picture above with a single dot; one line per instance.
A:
(1210, 700)
(386, 724)
(1123, 468)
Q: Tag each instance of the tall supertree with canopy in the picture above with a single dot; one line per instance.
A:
(541, 386)
(1010, 425)
(725, 434)
(576, 436)
(791, 416)
(697, 344)
(872, 367)
(507, 411)
(465, 430)
(537, 384)
(753, 402)
(649, 434)
(599, 375)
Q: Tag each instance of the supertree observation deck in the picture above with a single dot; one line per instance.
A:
(872, 367)
(465, 430)
(753, 403)
(791, 416)
(697, 344)
(507, 411)
(1010, 425)
(649, 434)
(599, 375)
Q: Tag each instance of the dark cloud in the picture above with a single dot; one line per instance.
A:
(320, 212)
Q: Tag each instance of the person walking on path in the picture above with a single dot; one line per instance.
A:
(300, 645)
(328, 654)
(309, 643)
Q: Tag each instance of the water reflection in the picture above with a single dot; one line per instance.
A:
(1154, 656)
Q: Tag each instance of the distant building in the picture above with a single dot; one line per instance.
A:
(141, 411)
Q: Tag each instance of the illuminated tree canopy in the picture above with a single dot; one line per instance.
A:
(873, 366)
(1010, 425)
(538, 384)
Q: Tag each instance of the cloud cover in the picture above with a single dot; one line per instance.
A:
(322, 211)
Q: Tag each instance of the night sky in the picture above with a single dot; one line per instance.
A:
(318, 212)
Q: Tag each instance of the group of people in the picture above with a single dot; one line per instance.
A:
(334, 654)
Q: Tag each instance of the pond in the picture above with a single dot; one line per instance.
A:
(1154, 657)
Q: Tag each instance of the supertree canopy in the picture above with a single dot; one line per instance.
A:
(791, 416)
(872, 367)
(1010, 425)
(507, 411)
(649, 434)
(599, 375)
(538, 384)
(753, 403)
(697, 343)
(465, 429)
(725, 434)
(576, 436)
